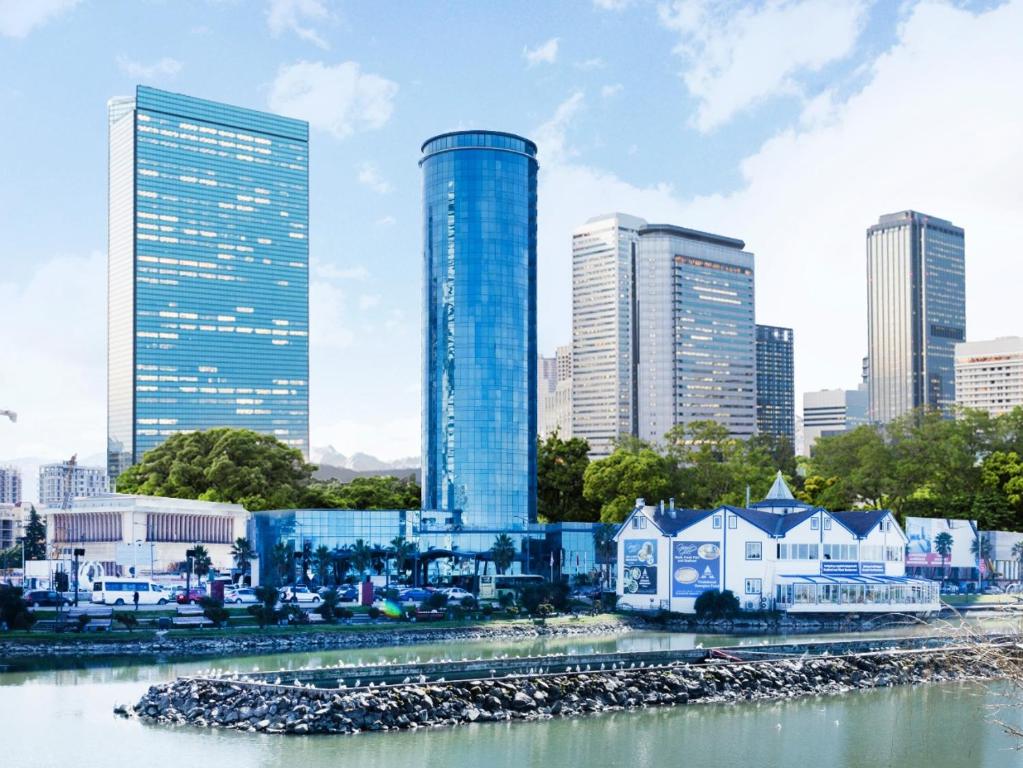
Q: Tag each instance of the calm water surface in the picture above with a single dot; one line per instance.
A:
(63, 718)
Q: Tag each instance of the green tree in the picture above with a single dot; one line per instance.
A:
(943, 546)
(713, 605)
(503, 552)
(362, 557)
(614, 483)
(266, 610)
(283, 562)
(560, 468)
(201, 561)
(402, 551)
(13, 612)
(322, 557)
(242, 554)
(382, 492)
(222, 464)
(859, 465)
(35, 536)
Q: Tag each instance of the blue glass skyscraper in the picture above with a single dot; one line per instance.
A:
(208, 318)
(776, 410)
(479, 328)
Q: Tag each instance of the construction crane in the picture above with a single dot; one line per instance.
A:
(10, 415)
(69, 483)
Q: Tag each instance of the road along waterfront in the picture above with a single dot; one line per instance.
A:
(63, 717)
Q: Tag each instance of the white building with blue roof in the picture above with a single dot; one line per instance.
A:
(776, 554)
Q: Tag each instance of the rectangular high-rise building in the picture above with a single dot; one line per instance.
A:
(603, 291)
(776, 411)
(10, 485)
(85, 481)
(208, 289)
(831, 412)
(916, 312)
(695, 340)
(989, 374)
(554, 399)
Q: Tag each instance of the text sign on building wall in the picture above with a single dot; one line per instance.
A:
(929, 537)
(640, 566)
(832, 568)
(695, 567)
(872, 569)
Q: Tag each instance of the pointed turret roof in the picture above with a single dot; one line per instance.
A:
(779, 490)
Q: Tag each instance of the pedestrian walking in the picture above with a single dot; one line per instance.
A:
(135, 599)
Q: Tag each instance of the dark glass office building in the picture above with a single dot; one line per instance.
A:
(776, 410)
(208, 315)
(916, 312)
(479, 329)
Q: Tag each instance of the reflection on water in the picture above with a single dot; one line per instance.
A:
(63, 718)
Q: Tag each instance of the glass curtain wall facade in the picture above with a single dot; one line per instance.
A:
(916, 312)
(776, 410)
(208, 272)
(603, 307)
(479, 328)
(695, 332)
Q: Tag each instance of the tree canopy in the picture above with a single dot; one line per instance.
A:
(232, 465)
(383, 492)
(560, 467)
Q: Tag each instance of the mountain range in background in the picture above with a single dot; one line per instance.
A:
(334, 465)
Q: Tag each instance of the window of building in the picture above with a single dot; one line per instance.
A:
(827, 523)
(798, 552)
(639, 522)
(815, 524)
(717, 521)
(754, 550)
(733, 521)
(754, 586)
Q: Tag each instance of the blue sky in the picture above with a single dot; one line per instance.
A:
(789, 123)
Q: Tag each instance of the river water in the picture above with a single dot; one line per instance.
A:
(63, 718)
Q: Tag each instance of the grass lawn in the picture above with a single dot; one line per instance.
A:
(958, 600)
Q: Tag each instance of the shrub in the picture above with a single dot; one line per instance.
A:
(488, 610)
(266, 611)
(374, 612)
(468, 602)
(214, 610)
(13, 612)
(506, 599)
(83, 619)
(555, 594)
(328, 608)
(713, 604)
(295, 614)
(345, 613)
(436, 601)
(127, 618)
(544, 610)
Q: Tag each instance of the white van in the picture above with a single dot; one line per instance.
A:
(110, 591)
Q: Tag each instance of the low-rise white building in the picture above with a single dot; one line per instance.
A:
(778, 554)
(148, 533)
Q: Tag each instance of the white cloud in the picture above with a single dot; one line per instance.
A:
(331, 272)
(369, 176)
(612, 5)
(809, 193)
(339, 99)
(165, 67)
(19, 17)
(329, 329)
(736, 59)
(297, 16)
(387, 439)
(588, 65)
(550, 137)
(386, 221)
(55, 331)
(547, 53)
(611, 90)
(369, 300)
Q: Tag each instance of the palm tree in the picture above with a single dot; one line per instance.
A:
(362, 556)
(342, 563)
(503, 552)
(980, 548)
(401, 552)
(322, 557)
(201, 561)
(242, 552)
(281, 557)
(943, 546)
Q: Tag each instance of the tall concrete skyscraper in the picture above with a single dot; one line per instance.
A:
(662, 331)
(479, 329)
(916, 312)
(776, 409)
(603, 296)
(208, 274)
(10, 485)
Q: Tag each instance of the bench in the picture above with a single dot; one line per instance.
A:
(313, 618)
(100, 620)
(429, 615)
(190, 616)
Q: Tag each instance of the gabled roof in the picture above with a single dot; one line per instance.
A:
(683, 519)
(860, 522)
(772, 523)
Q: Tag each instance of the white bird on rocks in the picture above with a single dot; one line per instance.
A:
(837, 723)
(778, 726)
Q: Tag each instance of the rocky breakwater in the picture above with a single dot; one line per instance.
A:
(240, 705)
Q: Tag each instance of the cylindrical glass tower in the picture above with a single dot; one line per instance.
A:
(479, 329)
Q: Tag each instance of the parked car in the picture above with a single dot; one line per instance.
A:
(240, 595)
(299, 594)
(414, 594)
(193, 595)
(41, 597)
(992, 589)
(348, 593)
(456, 594)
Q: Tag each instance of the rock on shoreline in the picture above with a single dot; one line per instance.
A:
(209, 642)
(224, 703)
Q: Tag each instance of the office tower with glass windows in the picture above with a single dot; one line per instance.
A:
(10, 485)
(479, 329)
(208, 275)
(829, 412)
(776, 411)
(694, 350)
(916, 312)
(603, 293)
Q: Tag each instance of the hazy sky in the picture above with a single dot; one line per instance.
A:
(789, 124)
